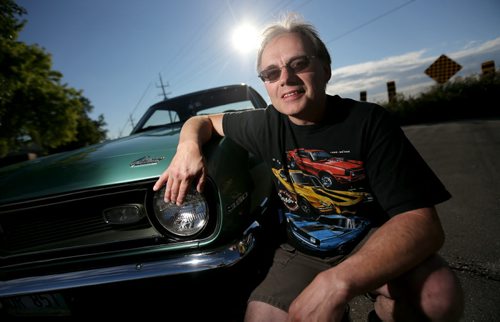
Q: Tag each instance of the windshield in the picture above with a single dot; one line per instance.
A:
(320, 156)
(165, 117)
(175, 111)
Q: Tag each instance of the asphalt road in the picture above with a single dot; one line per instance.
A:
(466, 157)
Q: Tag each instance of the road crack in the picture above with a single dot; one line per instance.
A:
(486, 270)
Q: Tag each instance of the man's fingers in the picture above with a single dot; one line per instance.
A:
(183, 190)
(177, 183)
(201, 183)
(171, 190)
(160, 182)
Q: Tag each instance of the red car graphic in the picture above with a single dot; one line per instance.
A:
(325, 166)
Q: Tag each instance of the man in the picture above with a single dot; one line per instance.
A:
(369, 228)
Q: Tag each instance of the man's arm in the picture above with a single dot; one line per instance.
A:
(187, 164)
(397, 246)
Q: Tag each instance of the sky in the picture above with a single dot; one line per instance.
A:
(120, 52)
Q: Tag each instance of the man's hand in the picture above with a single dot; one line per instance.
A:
(187, 166)
(322, 300)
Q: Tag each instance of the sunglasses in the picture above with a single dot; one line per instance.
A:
(295, 65)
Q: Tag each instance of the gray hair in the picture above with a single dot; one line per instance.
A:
(293, 23)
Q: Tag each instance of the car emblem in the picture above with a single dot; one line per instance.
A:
(146, 161)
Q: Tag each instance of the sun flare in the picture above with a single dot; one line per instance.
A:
(245, 38)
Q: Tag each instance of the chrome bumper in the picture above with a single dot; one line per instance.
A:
(218, 258)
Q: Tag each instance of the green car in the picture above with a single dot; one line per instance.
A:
(76, 224)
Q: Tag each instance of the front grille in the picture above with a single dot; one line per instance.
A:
(70, 221)
(43, 230)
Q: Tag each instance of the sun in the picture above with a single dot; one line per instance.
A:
(245, 38)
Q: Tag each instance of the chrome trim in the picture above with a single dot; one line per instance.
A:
(218, 258)
(146, 160)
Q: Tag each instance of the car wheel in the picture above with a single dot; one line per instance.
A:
(306, 207)
(326, 180)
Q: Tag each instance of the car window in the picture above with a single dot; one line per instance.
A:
(162, 117)
(165, 117)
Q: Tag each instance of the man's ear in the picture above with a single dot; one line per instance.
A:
(328, 73)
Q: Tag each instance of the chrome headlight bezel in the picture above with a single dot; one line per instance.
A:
(186, 220)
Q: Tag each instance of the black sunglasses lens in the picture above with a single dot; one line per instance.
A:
(271, 75)
(296, 65)
(299, 64)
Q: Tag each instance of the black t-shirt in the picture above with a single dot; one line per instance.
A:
(338, 178)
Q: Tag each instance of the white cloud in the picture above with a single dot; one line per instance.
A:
(400, 63)
(491, 46)
(407, 71)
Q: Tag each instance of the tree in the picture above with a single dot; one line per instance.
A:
(36, 109)
(88, 131)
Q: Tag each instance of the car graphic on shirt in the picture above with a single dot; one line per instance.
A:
(328, 232)
(325, 166)
(304, 191)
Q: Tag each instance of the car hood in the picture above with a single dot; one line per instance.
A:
(137, 157)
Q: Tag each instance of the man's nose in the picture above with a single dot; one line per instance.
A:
(286, 74)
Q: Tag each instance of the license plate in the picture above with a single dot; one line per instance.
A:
(37, 305)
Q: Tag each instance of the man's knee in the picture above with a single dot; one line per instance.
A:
(442, 296)
(259, 311)
(431, 288)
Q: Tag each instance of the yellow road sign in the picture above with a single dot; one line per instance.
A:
(443, 69)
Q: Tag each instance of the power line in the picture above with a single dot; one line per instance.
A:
(133, 111)
(370, 21)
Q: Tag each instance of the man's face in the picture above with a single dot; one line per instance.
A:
(299, 95)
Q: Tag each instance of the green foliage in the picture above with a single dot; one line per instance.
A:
(463, 98)
(9, 24)
(88, 131)
(36, 109)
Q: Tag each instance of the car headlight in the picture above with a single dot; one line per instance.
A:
(187, 219)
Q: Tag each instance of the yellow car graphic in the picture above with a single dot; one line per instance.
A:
(312, 197)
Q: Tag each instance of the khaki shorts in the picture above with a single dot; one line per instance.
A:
(290, 273)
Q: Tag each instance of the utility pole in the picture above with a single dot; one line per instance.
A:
(131, 120)
(165, 96)
(163, 88)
